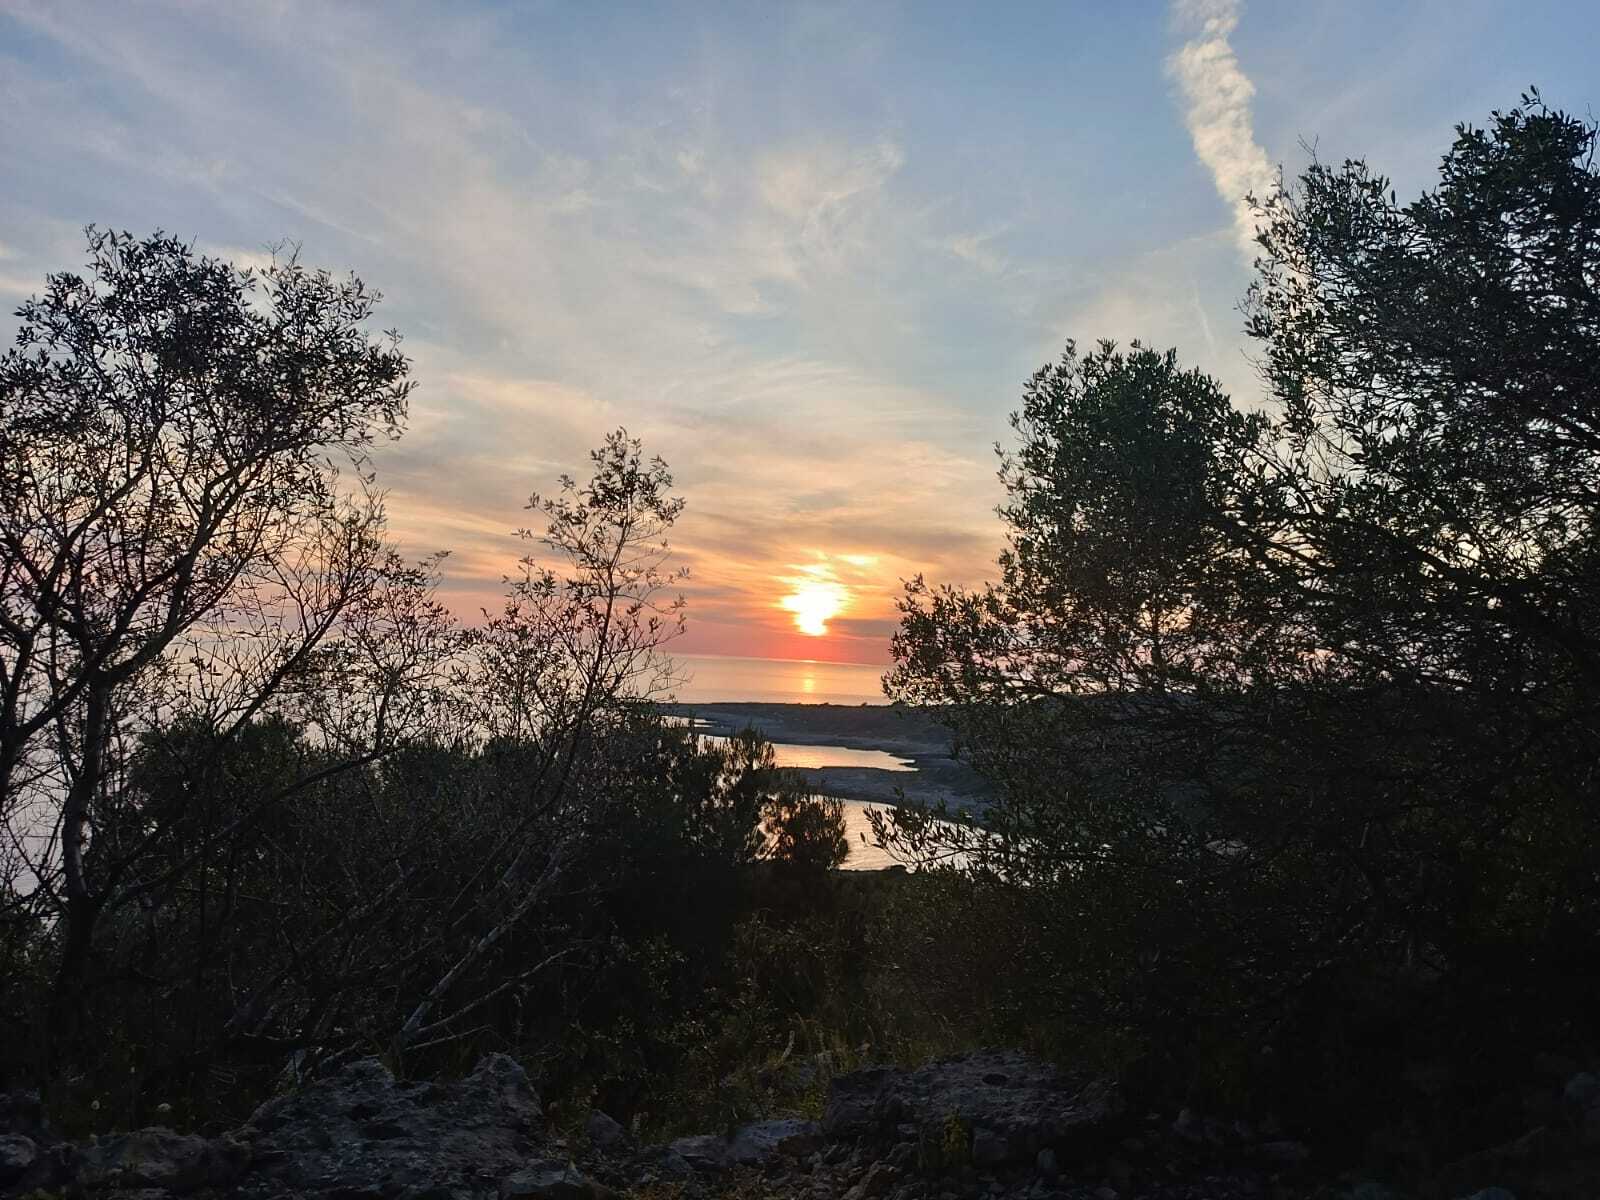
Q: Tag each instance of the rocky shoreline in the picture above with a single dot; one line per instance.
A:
(988, 1126)
(912, 735)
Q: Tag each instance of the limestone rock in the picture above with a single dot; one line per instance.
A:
(1013, 1106)
(989, 1149)
(551, 1181)
(158, 1158)
(880, 1177)
(655, 1163)
(360, 1130)
(499, 1081)
(17, 1153)
(762, 1141)
(702, 1151)
(23, 1113)
(1582, 1091)
(754, 1145)
(31, 1157)
(1285, 1153)
(603, 1132)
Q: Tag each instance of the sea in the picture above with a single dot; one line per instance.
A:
(712, 679)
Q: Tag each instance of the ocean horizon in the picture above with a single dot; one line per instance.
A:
(716, 678)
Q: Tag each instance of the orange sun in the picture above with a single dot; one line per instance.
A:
(814, 603)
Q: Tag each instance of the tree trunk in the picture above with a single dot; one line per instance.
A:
(82, 905)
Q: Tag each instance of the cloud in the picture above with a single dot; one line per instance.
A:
(1217, 95)
(779, 285)
(826, 197)
(973, 249)
(19, 287)
(858, 486)
(1160, 298)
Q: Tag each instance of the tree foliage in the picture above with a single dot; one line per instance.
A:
(170, 429)
(588, 630)
(267, 804)
(1298, 702)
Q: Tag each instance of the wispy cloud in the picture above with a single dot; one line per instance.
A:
(1217, 95)
(973, 249)
(1162, 298)
(809, 258)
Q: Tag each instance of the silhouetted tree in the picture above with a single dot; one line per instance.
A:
(575, 647)
(1278, 700)
(169, 432)
(586, 633)
(1433, 496)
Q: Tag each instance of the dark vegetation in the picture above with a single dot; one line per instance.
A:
(1290, 716)
(268, 806)
(1294, 713)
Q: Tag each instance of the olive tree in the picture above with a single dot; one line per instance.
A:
(573, 653)
(1437, 363)
(172, 433)
(1431, 509)
(586, 617)
(1282, 701)
(1082, 680)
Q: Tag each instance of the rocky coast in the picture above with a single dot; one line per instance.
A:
(912, 736)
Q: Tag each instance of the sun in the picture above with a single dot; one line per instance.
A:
(814, 603)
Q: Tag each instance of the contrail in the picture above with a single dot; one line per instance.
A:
(1217, 97)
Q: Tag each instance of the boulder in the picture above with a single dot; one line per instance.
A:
(1582, 1091)
(23, 1113)
(32, 1158)
(17, 1154)
(754, 1145)
(1284, 1153)
(360, 1131)
(1011, 1105)
(989, 1149)
(499, 1083)
(551, 1181)
(764, 1141)
(658, 1163)
(603, 1132)
(880, 1177)
(702, 1151)
(158, 1158)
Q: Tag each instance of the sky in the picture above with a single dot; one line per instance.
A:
(809, 253)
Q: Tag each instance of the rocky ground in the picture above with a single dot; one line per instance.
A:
(990, 1126)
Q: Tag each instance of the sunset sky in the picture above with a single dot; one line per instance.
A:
(808, 253)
